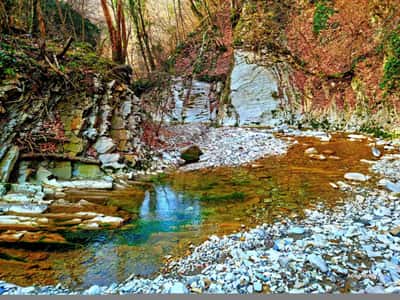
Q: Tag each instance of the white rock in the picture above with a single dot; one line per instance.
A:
(83, 184)
(178, 288)
(356, 136)
(93, 290)
(356, 177)
(104, 145)
(318, 262)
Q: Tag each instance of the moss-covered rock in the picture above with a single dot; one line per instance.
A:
(62, 170)
(86, 171)
(191, 154)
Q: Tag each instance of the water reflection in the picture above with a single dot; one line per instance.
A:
(114, 255)
(165, 205)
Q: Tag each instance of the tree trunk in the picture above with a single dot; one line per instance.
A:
(42, 28)
(146, 39)
(116, 34)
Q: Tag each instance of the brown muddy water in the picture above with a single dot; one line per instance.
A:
(174, 211)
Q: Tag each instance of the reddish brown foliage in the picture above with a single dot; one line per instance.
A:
(349, 35)
(212, 50)
(345, 50)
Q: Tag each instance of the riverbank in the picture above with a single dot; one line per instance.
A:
(353, 248)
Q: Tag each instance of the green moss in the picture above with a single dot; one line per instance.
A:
(62, 170)
(86, 171)
(144, 84)
(205, 212)
(237, 42)
(391, 76)
(377, 131)
(199, 66)
(204, 186)
(6, 256)
(321, 16)
(320, 124)
(7, 62)
(159, 178)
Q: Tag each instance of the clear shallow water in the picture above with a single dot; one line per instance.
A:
(186, 208)
(139, 247)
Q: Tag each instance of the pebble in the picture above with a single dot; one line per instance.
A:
(393, 187)
(318, 156)
(318, 262)
(356, 136)
(225, 146)
(258, 287)
(93, 290)
(178, 288)
(375, 290)
(312, 150)
(296, 230)
(375, 152)
(356, 177)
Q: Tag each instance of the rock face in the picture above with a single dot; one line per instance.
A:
(107, 120)
(111, 161)
(7, 163)
(191, 101)
(256, 93)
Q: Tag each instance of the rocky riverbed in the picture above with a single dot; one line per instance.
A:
(223, 146)
(354, 248)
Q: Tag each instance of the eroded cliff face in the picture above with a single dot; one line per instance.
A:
(328, 63)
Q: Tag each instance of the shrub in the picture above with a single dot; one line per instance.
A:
(391, 70)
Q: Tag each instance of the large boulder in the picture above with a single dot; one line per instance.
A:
(62, 170)
(191, 154)
(86, 171)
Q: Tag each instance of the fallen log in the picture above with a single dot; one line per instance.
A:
(65, 49)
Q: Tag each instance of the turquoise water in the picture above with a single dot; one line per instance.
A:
(111, 256)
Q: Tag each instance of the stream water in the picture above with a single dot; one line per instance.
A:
(174, 211)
